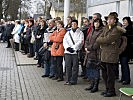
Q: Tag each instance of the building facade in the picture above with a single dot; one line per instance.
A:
(122, 7)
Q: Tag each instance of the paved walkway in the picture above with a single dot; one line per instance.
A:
(25, 83)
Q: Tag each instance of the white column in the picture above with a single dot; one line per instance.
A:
(66, 10)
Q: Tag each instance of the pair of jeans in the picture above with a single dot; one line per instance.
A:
(92, 72)
(47, 65)
(52, 67)
(125, 69)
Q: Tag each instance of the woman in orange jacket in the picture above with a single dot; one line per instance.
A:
(57, 50)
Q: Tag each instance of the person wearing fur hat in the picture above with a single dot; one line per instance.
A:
(109, 41)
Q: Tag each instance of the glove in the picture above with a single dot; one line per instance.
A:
(70, 49)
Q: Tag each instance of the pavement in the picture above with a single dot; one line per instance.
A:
(22, 81)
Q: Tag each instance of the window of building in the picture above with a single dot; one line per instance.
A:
(118, 7)
(130, 7)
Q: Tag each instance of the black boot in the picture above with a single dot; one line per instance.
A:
(95, 88)
(91, 86)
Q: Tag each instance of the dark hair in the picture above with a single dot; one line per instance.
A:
(69, 17)
(90, 17)
(57, 18)
(32, 21)
(86, 19)
(76, 21)
(98, 15)
(98, 20)
(128, 19)
(43, 20)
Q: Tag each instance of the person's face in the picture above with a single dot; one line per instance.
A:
(111, 21)
(30, 23)
(125, 22)
(96, 24)
(94, 17)
(74, 25)
(26, 23)
(39, 20)
(42, 23)
(59, 26)
(69, 20)
(51, 24)
(85, 22)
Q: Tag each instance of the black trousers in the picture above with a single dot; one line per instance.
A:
(26, 48)
(38, 45)
(117, 71)
(31, 49)
(57, 63)
(8, 41)
(72, 67)
(108, 74)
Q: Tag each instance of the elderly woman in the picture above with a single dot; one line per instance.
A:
(45, 59)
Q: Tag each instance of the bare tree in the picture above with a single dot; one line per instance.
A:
(1, 15)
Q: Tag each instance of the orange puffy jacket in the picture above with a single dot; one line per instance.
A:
(57, 38)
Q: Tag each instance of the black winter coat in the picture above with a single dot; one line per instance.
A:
(128, 51)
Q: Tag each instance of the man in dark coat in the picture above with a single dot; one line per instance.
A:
(9, 29)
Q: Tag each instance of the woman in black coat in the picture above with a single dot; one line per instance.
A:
(40, 35)
(126, 55)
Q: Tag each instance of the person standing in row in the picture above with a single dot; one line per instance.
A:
(57, 50)
(125, 55)
(109, 42)
(72, 42)
(93, 52)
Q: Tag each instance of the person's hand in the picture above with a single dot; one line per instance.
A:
(87, 50)
(70, 49)
(45, 45)
(24, 36)
(38, 36)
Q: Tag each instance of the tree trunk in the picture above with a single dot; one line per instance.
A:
(1, 15)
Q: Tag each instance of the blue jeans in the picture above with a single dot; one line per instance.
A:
(92, 71)
(47, 65)
(52, 67)
(125, 69)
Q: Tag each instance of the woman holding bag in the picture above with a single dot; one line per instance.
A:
(57, 50)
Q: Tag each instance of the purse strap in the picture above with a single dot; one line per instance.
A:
(71, 38)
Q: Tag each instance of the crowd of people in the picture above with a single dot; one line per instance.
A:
(97, 45)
